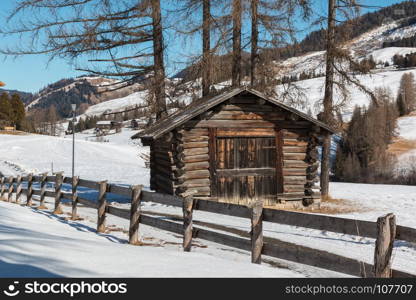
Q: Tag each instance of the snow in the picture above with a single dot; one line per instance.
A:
(406, 127)
(386, 54)
(118, 161)
(313, 90)
(119, 104)
(110, 161)
(37, 244)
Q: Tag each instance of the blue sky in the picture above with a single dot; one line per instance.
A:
(31, 73)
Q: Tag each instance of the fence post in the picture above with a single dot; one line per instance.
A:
(42, 191)
(187, 209)
(135, 215)
(256, 232)
(386, 233)
(18, 188)
(2, 180)
(58, 193)
(11, 188)
(75, 181)
(29, 190)
(102, 205)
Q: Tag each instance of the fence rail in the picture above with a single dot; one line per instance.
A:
(254, 242)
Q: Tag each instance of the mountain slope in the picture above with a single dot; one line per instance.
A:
(83, 91)
(26, 97)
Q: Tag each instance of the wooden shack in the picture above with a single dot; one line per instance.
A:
(237, 147)
(106, 126)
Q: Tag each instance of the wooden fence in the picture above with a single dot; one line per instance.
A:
(385, 231)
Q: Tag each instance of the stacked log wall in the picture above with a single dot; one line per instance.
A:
(162, 165)
(192, 161)
(188, 158)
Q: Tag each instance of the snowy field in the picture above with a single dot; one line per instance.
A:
(37, 244)
(118, 161)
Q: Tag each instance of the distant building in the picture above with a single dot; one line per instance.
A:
(103, 127)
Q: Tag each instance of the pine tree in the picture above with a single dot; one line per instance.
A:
(5, 108)
(17, 111)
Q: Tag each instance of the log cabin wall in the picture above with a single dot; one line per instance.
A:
(162, 165)
(188, 158)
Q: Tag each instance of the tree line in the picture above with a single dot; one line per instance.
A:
(362, 153)
(12, 111)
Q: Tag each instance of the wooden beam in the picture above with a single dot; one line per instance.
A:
(75, 180)
(256, 232)
(29, 193)
(386, 232)
(58, 193)
(187, 209)
(102, 203)
(135, 215)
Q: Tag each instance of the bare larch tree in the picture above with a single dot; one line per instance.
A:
(104, 38)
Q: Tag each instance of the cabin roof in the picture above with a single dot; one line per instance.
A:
(204, 104)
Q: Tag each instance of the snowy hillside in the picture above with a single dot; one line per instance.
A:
(313, 90)
(115, 105)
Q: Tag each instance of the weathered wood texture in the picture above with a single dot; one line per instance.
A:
(18, 188)
(386, 233)
(187, 209)
(74, 197)
(11, 189)
(3, 187)
(29, 194)
(42, 181)
(135, 215)
(102, 204)
(241, 131)
(256, 232)
(58, 193)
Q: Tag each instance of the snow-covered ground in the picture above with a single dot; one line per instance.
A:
(117, 161)
(406, 127)
(37, 244)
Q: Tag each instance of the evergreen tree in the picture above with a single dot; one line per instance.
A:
(5, 108)
(17, 114)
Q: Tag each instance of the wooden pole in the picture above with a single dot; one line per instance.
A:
(58, 193)
(29, 190)
(18, 188)
(135, 215)
(386, 232)
(3, 187)
(256, 232)
(102, 204)
(11, 188)
(75, 180)
(42, 191)
(187, 209)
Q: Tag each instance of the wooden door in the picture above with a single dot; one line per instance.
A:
(246, 168)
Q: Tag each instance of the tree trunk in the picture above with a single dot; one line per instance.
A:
(328, 98)
(206, 47)
(236, 65)
(254, 41)
(159, 68)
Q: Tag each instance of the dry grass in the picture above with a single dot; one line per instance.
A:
(330, 206)
(400, 146)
